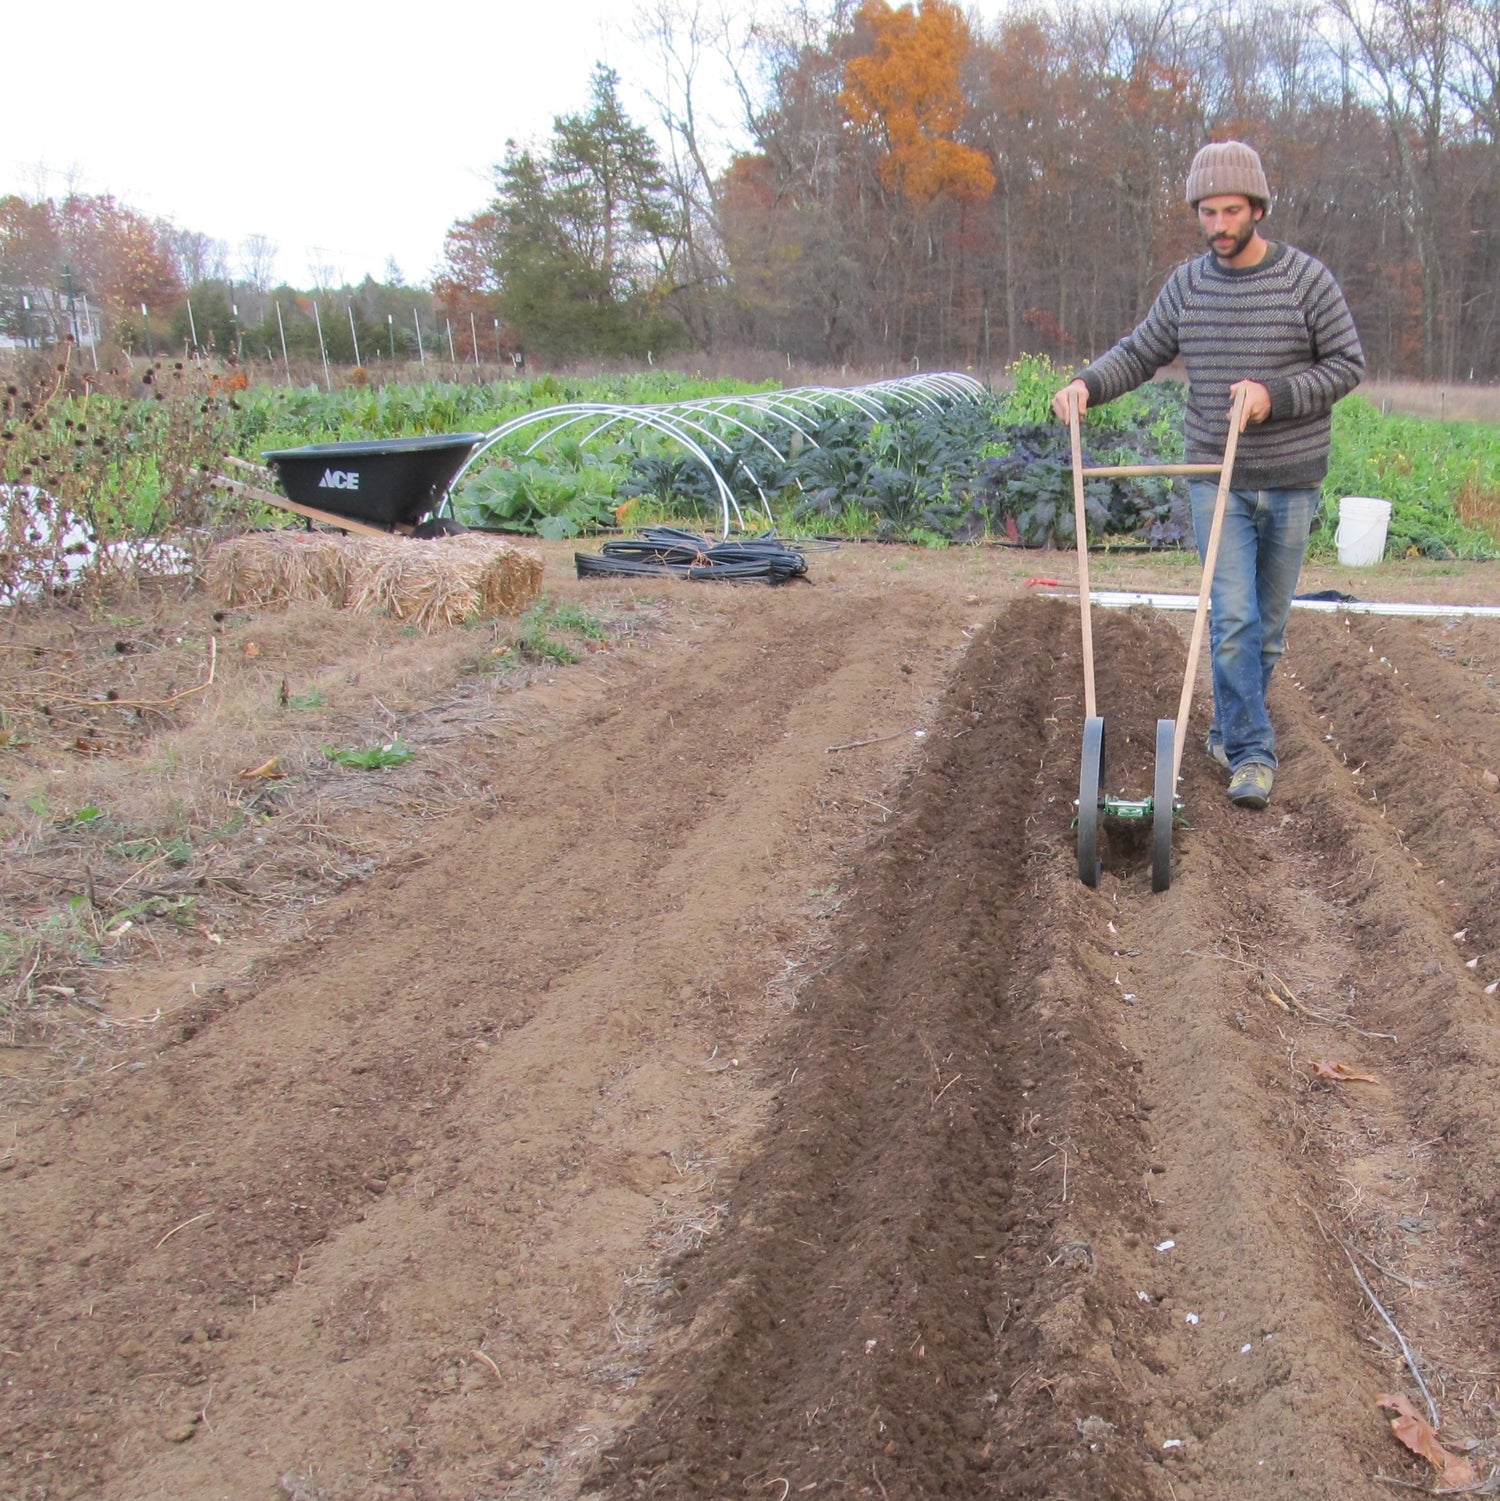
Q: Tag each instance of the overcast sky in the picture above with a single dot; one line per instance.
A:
(345, 134)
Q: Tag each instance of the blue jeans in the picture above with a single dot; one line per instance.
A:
(1260, 556)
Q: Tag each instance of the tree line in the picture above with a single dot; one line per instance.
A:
(89, 270)
(919, 186)
(907, 186)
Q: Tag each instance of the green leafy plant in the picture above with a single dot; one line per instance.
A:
(573, 617)
(1033, 381)
(1424, 467)
(542, 634)
(176, 851)
(377, 758)
(572, 493)
(1028, 490)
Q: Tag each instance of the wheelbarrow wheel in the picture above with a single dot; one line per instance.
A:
(1090, 801)
(1163, 804)
(438, 526)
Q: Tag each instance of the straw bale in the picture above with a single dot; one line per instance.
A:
(509, 580)
(431, 584)
(275, 568)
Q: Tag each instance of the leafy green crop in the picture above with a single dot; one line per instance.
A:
(1421, 466)
(944, 468)
(273, 417)
(575, 489)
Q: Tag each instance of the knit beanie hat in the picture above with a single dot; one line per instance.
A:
(1227, 167)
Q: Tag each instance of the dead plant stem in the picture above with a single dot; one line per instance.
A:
(154, 703)
(1286, 997)
(877, 740)
(1379, 1307)
(182, 1226)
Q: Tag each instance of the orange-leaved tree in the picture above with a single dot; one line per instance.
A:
(908, 88)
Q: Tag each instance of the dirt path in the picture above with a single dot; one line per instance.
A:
(711, 1110)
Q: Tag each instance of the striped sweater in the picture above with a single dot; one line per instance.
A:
(1283, 323)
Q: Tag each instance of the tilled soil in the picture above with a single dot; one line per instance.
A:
(747, 1099)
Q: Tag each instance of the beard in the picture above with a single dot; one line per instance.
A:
(1226, 247)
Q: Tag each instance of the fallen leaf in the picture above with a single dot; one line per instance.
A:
(1327, 1068)
(267, 771)
(1413, 1430)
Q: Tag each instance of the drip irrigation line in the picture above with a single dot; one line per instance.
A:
(669, 551)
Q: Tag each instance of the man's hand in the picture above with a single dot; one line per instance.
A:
(1081, 392)
(1257, 401)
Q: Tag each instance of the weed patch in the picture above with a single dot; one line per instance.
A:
(553, 633)
(375, 758)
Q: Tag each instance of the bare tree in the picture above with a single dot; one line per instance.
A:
(320, 267)
(1404, 50)
(258, 261)
(218, 260)
(195, 253)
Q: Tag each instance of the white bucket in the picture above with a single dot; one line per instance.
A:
(1361, 533)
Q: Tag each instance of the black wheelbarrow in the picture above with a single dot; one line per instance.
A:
(379, 486)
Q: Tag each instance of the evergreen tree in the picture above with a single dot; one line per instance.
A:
(581, 239)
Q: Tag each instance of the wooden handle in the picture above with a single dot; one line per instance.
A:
(1080, 527)
(240, 463)
(1210, 558)
(311, 513)
(1136, 471)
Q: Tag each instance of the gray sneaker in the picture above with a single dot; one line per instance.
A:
(1250, 786)
(1215, 749)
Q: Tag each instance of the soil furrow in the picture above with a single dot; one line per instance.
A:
(744, 1095)
(514, 967)
(1171, 1308)
(1235, 991)
(844, 1332)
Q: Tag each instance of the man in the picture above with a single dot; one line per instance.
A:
(1260, 316)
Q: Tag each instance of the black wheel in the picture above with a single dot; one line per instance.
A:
(439, 526)
(1091, 801)
(1163, 804)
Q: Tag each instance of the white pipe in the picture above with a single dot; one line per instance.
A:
(1123, 599)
